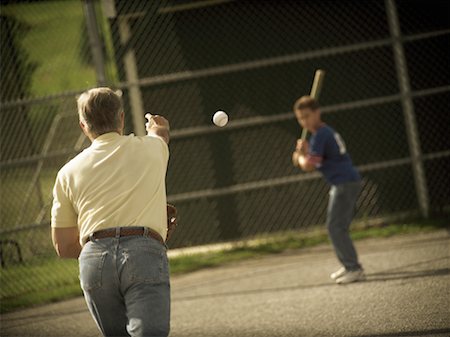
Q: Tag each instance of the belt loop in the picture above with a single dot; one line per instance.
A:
(117, 232)
(146, 229)
(91, 237)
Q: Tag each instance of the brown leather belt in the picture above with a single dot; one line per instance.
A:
(126, 231)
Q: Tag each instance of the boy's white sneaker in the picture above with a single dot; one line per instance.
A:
(340, 272)
(351, 276)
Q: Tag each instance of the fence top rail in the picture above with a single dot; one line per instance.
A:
(213, 71)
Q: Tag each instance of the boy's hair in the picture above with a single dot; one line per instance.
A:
(306, 102)
(100, 110)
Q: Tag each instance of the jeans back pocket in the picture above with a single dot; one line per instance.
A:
(91, 269)
(148, 265)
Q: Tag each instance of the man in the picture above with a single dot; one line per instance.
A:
(327, 153)
(109, 211)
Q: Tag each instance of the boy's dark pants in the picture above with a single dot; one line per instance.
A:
(341, 207)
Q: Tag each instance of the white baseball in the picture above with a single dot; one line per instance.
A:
(220, 118)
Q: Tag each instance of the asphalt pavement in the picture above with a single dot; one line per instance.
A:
(407, 293)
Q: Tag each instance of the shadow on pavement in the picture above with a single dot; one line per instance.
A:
(375, 277)
(398, 273)
(424, 333)
(402, 275)
(251, 292)
(37, 318)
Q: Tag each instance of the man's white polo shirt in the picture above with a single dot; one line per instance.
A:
(118, 181)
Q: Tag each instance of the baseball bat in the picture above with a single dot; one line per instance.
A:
(315, 91)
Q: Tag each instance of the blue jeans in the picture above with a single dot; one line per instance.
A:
(126, 285)
(341, 208)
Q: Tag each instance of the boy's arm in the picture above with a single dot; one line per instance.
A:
(303, 159)
(306, 164)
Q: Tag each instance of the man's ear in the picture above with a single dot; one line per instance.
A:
(85, 130)
(83, 127)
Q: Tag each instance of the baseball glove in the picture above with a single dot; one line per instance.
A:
(171, 220)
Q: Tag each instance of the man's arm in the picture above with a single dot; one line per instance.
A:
(66, 242)
(65, 233)
(158, 126)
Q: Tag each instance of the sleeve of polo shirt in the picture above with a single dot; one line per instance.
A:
(63, 213)
(165, 146)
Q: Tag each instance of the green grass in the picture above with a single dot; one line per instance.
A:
(54, 279)
(15, 184)
(53, 43)
(295, 240)
(37, 282)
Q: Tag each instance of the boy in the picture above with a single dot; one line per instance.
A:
(327, 153)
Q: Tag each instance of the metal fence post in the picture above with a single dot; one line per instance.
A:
(95, 42)
(131, 71)
(408, 108)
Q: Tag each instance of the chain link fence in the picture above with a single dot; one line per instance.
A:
(386, 91)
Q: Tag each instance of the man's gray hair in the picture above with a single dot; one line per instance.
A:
(100, 109)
